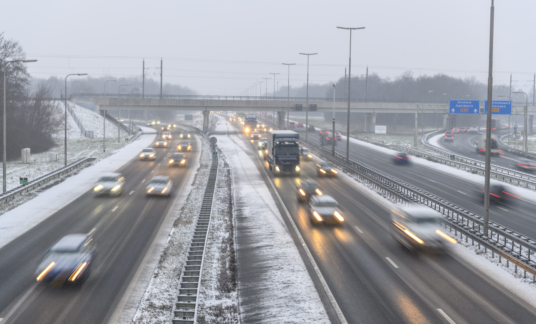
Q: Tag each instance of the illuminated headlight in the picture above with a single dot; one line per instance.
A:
(189, 147)
(302, 192)
(171, 161)
(334, 171)
(150, 190)
(165, 144)
(310, 156)
(165, 189)
(142, 155)
(183, 161)
(151, 155)
(116, 188)
(298, 168)
(413, 236)
(46, 271)
(247, 129)
(339, 216)
(446, 237)
(322, 170)
(188, 135)
(266, 151)
(318, 192)
(317, 216)
(277, 168)
(98, 188)
(157, 144)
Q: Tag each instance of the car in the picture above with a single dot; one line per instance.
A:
(110, 184)
(311, 128)
(159, 186)
(150, 124)
(184, 146)
(473, 129)
(184, 134)
(307, 189)
(401, 158)
(456, 130)
(177, 159)
(68, 261)
(158, 122)
(326, 169)
(324, 209)
(166, 135)
(306, 154)
(263, 143)
(419, 228)
(499, 194)
(327, 140)
(525, 164)
(338, 135)
(161, 144)
(449, 136)
(153, 123)
(463, 130)
(255, 135)
(148, 154)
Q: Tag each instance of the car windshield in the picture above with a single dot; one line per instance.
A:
(159, 181)
(148, 150)
(287, 150)
(332, 204)
(107, 179)
(425, 220)
(326, 165)
(305, 151)
(177, 156)
(185, 143)
(309, 185)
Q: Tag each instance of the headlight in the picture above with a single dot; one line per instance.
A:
(150, 190)
(165, 189)
(322, 170)
(266, 151)
(116, 188)
(188, 135)
(46, 271)
(317, 216)
(302, 192)
(339, 216)
(334, 171)
(142, 155)
(318, 192)
(157, 144)
(310, 156)
(277, 168)
(189, 147)
(171, 161)
(165, 144)
(446, 237)
(152, 154)
(98, 188)
(183, 161)
(179, 147)
(298, 168)
(247, 129)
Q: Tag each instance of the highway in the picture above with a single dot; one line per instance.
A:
(374, 280)
(124, 228)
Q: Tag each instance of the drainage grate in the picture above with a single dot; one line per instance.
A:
(185, 308)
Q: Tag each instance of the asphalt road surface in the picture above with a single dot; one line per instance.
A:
(124, 227)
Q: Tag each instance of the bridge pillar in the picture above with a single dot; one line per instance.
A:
(530, 124)
(281, 120)
(206, 113)
(370, 122)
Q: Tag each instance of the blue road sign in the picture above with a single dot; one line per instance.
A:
(464, 107)
(499, 107)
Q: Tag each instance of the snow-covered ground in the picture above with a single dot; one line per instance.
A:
(19, 220)
(77, 146)
(283, 290)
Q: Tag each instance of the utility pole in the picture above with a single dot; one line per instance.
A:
(366, 86)
(307, 100)
(274, 74)
(345, 81)
(488, 125)
(143, 80)
(161, 76)
(266, 90)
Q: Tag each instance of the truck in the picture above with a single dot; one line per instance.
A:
(250, 123)
(283, 152)
(481, 144)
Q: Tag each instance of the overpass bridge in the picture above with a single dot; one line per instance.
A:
(274, 104)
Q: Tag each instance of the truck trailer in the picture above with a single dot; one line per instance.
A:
(283, 152)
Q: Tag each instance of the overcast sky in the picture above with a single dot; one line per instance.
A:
(224, 47)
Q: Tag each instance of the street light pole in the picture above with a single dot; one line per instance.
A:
(266, 88)
(274, 74)
(349, 80)
(525, 122)
(333, 134)
(307, 100)
(487, 171)
(104, 120)
(119, 111)
(4, 155)
(288, 91)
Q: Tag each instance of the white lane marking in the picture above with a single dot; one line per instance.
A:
(446, 316)
(462, 192)
(131, 192)
(20, 302)
(115, 208)
(143, 180)
(92, 231)
(358, 230)
(392, 263)
(503, 209)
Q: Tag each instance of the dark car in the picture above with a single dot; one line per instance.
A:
(401, 158)
(68, 261)
(307, 189)
(326, 169)
(338, 135)
(525, 165)
(311, 128)
(306, 154)
(177, 159)
(449, 136)
(500, 194)
(328, 140)
(184, 146)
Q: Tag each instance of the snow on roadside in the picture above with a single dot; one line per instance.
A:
(161, 293)
(19, 220)
(283, 291)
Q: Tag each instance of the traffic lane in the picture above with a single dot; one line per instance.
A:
(113, 235)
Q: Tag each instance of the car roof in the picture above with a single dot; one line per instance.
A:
(115, 175)
(69, 243)
(148, 149)
(178, 154)
(419, 211)
(160, 178)
(185, 142)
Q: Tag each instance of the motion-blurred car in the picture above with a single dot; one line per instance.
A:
(177, 159)
(148, 154)
(263, 143)
(307, 189)
(255, 136)
(184, 146)
(499, 194)
(449, 136)
(311, 128)
(161, 144)
(456, 130)
(68, 261)
(184, 134)
(326, 169)
(473, 129)
(327, 140)
(159, 186)
(174, 125)
(401, 158)
(338, 135)
(525, 165)
(166, 135)
(153, 123)
(110, 184)
(306, 154)
(324, 209)
(463, 130)
(419, 228)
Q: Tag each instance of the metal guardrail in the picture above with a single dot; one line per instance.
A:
(42, 180)
(515, 151)
(514, 247)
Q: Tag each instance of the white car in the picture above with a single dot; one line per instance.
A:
(324, 209)
(110, 184)
(148, 154)
(473, 129)
(159, 186)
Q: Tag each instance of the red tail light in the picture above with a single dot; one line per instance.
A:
(512, 195)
